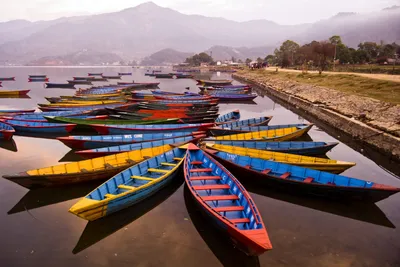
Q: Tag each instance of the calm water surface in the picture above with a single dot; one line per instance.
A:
(167, 230)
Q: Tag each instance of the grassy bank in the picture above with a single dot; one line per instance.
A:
(387, 91)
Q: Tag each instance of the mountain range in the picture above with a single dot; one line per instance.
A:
(137, 32)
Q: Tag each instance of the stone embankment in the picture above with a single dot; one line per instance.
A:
(373, 122)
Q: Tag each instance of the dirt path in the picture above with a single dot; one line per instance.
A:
(385, 77)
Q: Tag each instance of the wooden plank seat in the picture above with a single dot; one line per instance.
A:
(239, 220)
(200, 178)
(211, 187)
(223, 197)
(285, 175)
(266, 171)
(308, 180)
(126, 187)
(229, 208)
(142, 178)
(158, 170)
(168, 164)
(178, 159)
(196, 163)
(201, 170)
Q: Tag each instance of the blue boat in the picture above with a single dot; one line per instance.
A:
(105, 151)
(231, 116)
(302, 180)
(124, 73)
(130, 186)
(223, 130)
(99, 141)
(225, 201)
(40, 115)
(6, 131)
(85, 108)
(298, 148)
(144, 129)
(38, 127)
(15, 111)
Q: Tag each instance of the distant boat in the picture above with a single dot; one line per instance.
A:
(60, 85)
(214, 82)
(164, 76)
(79, 82)
(83, 78)
(112, 77)
(95, 74)
(14, 93)
(99, 79)
(6, 131)
(38, 79)
(37, 76)
(124, 73)
(7, 78)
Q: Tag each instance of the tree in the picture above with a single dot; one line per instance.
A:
(248, 61)
(323, 51)
(270, 59)
(197, 59)
(287, 51)
(259, 60)
(233, 59)
(240, 61)
(335, 40)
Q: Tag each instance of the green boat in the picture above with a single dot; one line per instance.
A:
(84, 124)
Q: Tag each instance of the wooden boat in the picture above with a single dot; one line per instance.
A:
(124, 73)
(231, 116)
(212, 102)
(143, 129)
(130, 186)
(84, 82)
(99, 141)
(84, 123)
(85, 170)
(7, 78)
(79, 107)
(229, 129)
(150, 74)
(95, 74)
(225, 87)
(276, 135)
(87, 78)
(17, 111)
(182, 98)
(6, 131)
(234, 97)
(183, 75)
(298, 148)
(301, 180)
(81, 103)
(38, 76)
(105, 151)
(39, 116)
(156, 115)
(99, 79)
(60, 85)
(225, 201)
(14, 93)
(89, 97)
(214, 82)
(43, 119)
(164, 76)
(38, 79)
(321, 164)
(38, 127)
(111, 77)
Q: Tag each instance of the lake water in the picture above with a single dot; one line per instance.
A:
(37, 230)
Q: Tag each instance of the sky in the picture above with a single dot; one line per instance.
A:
(279, 11)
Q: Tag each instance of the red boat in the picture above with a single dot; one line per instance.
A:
(182, 98)
(188, 103)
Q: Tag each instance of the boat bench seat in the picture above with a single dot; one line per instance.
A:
(196, 162)
(109, 195)
(239, 220)
(308, 180)
(266, 171)
(178, 159)
(211, 187)
(201, 170)
(223, 197)
(201, 178)
(168, 164)
(158, 170)
(127, 187)
(142, 178)
(229, 208)
(285, 175)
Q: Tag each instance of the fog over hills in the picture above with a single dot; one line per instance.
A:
(137, 32)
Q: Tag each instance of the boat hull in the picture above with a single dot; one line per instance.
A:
(104, 129)
(337, 193)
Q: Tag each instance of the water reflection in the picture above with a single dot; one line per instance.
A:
(365, 212)
(220, 245)
(41, 197)
(9, 145)
(97, 230)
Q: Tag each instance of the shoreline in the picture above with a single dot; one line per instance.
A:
(377, 139)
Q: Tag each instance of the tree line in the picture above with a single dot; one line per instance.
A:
(333, 51)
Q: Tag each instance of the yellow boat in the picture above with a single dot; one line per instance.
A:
(321, 164)
(85, 170)
(275, 135)
(91, 96)
(98, 95)
(14, 93)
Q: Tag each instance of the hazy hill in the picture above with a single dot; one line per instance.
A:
(165, 57)
(227, 52)
(136, 32)
(85, 57)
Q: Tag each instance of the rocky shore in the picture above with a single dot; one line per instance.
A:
(373, 122)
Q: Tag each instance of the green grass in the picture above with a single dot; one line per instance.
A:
(387, 91)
